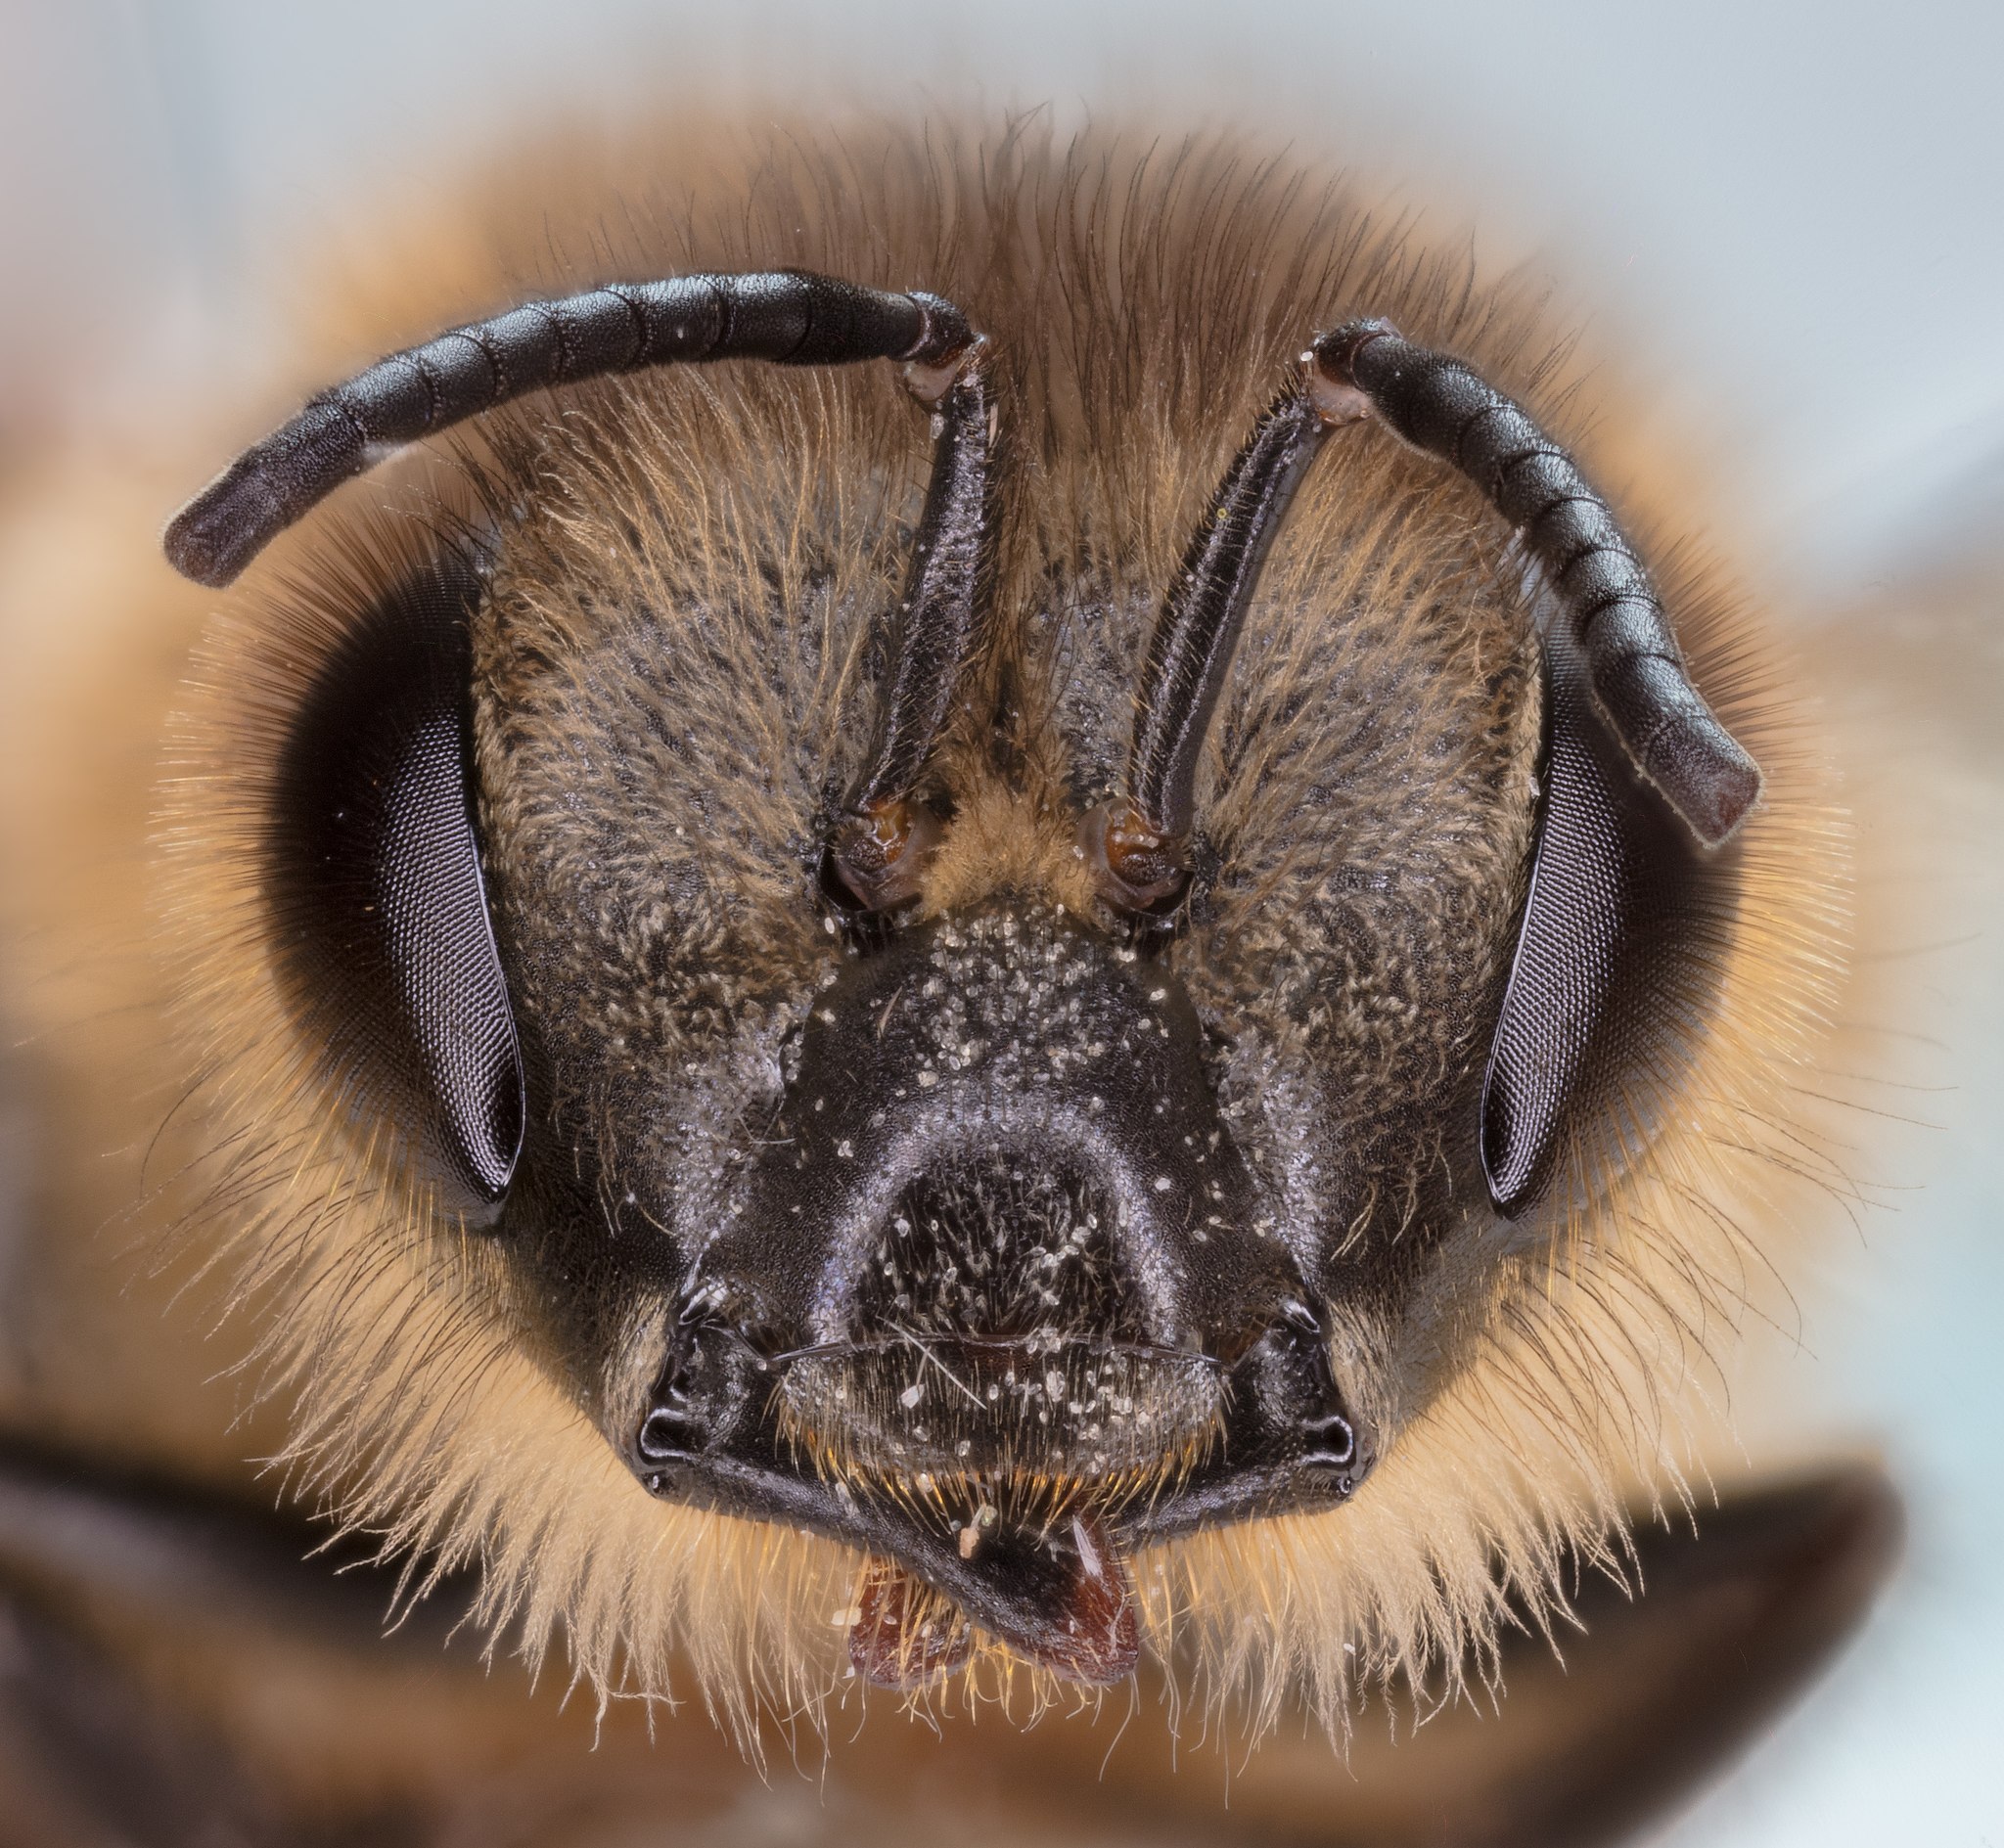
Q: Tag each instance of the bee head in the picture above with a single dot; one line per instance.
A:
(1060, 1033)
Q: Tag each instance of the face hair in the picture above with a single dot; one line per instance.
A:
(705, 735)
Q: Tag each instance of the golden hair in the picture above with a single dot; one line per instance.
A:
(1143, 302)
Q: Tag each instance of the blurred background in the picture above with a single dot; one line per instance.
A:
(1782, 219)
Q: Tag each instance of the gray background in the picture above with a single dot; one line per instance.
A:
(1784, 214)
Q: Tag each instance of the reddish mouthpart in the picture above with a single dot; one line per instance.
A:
(1085, 1629)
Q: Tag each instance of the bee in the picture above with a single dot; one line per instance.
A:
(974, 930)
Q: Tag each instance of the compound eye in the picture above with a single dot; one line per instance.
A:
(376, 897)
(1625, 931)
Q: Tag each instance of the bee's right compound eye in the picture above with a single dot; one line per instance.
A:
(374, 890)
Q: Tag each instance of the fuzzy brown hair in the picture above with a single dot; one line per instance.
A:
(1144, 303)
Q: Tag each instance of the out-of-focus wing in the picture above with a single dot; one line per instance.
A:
(178, 1672)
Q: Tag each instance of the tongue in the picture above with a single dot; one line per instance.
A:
(1061, 1599)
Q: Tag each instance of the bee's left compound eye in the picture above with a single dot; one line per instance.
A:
(373, 888)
